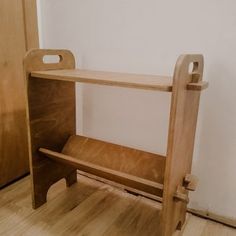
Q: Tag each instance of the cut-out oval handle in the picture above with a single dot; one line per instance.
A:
(193, 67)
(52, 59)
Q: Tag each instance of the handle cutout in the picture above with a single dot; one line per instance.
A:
(52, 59)
(192, 67)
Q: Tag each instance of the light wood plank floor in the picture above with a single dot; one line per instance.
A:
(88, 208)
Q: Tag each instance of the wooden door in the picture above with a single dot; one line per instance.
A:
(18, 33)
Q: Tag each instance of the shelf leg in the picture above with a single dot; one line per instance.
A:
(71, 178)
(39, 196)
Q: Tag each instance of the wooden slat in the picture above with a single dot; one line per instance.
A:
(150, 82)
(114, 175)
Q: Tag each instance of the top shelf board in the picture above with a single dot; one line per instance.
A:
(149, 82)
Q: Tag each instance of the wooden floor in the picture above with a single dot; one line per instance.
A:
(88, 208)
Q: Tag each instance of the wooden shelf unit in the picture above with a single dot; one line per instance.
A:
(56, 152)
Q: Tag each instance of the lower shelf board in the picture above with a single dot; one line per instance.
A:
(133, 168)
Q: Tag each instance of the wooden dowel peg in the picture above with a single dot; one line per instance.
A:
(190, 182)
(195, 77)
(197, 86)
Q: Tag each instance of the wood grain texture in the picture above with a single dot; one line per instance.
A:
(30, 24)
(14, 42)
(34, 60)
(135, 162)
(108, 173)
(126, 160)
(89, 208)
(51, 115)
(150, 82)
(182, 126)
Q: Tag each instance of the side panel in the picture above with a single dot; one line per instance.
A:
(183, 120)
(51, 120)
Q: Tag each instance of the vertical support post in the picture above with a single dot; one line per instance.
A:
(182, 126)
(51, 120)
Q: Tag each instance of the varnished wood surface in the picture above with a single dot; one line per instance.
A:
(94, 209)
(51, 116)
(182, 127)
(125, 160)
(116, 157)
(107, 173)
(31, 23)
(15, 40)
(151, 82)
(53, 135)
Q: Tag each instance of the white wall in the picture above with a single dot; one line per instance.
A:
(147, 37)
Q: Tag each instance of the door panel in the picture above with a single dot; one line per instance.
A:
(13, 46)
